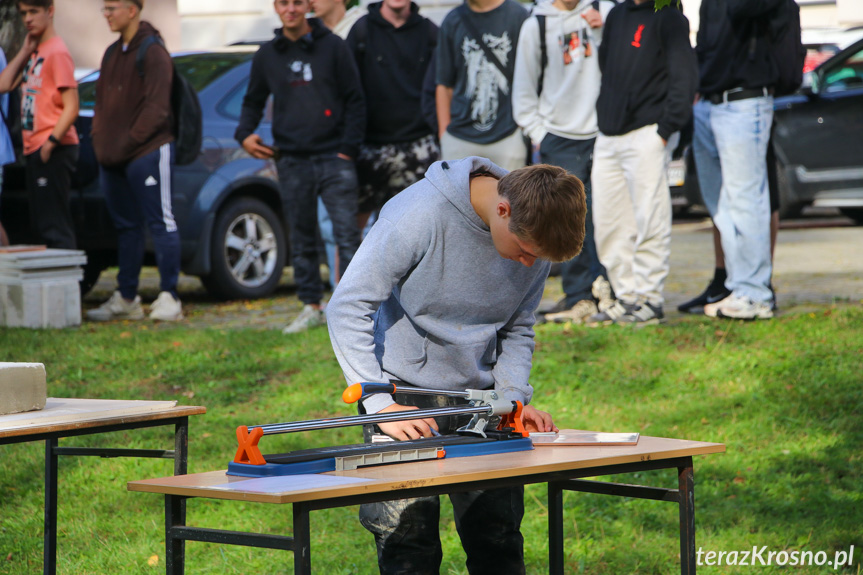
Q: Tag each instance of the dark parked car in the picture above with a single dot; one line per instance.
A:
(819, 138)
(227, 204)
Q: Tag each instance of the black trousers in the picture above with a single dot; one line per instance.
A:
(48, 188)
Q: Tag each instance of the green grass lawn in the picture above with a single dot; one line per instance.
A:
(784, 396)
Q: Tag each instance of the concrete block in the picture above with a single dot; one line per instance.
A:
(23, 387)
(40, 304)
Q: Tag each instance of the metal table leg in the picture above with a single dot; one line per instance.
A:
(49, 565)
(302, 540)
(555, 528)
(686, 493)
(175, 547)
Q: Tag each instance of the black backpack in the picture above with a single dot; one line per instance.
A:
(188, 119)
(12, 120)
(782, 28)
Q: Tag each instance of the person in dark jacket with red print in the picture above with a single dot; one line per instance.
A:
(134, 144)
(319, 118)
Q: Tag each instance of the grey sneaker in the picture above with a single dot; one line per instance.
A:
(577, 314)
(308, 318)
(641, 315)
(601, 290)
(617, 310)
(166, 308)
(117, 308)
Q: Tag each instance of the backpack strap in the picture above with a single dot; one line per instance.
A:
(361, 33)
(142, 52)
(543, 52)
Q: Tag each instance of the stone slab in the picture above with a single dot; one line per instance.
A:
(23, 387)
(40, 304)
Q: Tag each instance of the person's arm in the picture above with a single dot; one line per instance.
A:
(525, 99)
(156, 109)
(254, 101)
(351, 90)
(443, 101)
(383, 260)
(682, 68)
(445, 75)
(738, 9)
(67, 118)
(11, 76)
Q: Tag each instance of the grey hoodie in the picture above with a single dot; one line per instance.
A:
(428, 300)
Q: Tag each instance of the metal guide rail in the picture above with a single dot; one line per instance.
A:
(495, 427)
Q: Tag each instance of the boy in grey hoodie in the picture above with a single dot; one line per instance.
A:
(554, 94)
(442, 294)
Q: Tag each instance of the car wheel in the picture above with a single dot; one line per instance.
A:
(855, 214)
(248, 251)
(788, 208)
(97, 262)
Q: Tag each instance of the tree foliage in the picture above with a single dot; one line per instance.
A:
(12, 30)
(660, 4)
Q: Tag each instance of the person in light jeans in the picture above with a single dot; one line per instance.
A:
(736, 133)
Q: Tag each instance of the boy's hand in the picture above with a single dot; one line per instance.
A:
(254, 145)
(593, 18)
(404, 430)
(536, 420)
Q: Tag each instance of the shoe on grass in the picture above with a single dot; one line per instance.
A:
(643, 314)
(617, 310)
(577, 314)
(310, 317)
(738, 306)
(601, 291)
(166, 308)
(715, 292)
(117, 308)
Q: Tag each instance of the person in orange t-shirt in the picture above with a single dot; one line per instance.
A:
(49, 107)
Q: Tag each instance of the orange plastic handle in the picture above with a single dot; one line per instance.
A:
(514, 420)
(353, 393)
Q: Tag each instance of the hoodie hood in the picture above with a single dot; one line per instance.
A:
(145, 30)
(318, 31)
(548, 9)
(374, 11)
(452, 179)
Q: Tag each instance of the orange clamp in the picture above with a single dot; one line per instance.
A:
(514, 420)
(248, 451)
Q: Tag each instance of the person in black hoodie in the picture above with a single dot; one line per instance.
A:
(319, 120)
(393, 46)
(733, 117)
(649, 78)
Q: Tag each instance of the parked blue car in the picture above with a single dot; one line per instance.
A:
(227, 205)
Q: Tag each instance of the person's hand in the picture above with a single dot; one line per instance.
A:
(345, 157)
(404, 430)
(536, 420)
(46, 151)
(30, 43)
(592, 17)
(254, 145)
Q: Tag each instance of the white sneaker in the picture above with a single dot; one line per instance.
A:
(577, 314)
(166, 308)
(117, 308)
(308, 318)
(739, 307)
(601, 291)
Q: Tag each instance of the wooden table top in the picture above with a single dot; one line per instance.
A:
(62, 414)
(296, 488)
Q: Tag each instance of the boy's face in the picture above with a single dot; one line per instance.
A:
(36, 19)
(292, 13)
(324, 7)
(119, 14)
(507, 244)
(397, 5)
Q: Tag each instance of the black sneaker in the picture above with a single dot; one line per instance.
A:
(715, 292)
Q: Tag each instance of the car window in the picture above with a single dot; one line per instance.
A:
(845, 75)
(232, 104)
(199, 69)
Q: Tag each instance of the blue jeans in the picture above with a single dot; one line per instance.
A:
(734, 136)
(576, 157)
(138, 196)
(325, 225)
(302, 179)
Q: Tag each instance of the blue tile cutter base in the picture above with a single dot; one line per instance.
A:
(312, 461)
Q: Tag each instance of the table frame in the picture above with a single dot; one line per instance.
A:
(177, 533)
(180, 455)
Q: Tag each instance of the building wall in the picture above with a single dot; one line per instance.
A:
(82, 26)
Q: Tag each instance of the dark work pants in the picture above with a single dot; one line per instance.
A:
(302, 179)
(48, 188)
(576, 157)
(488, 522)
(138, 196)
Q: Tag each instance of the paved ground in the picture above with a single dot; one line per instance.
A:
(817, 262)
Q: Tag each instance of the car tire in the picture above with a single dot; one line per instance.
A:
(855, 214)
(788, 208)
(97, 262)
(248, 251)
